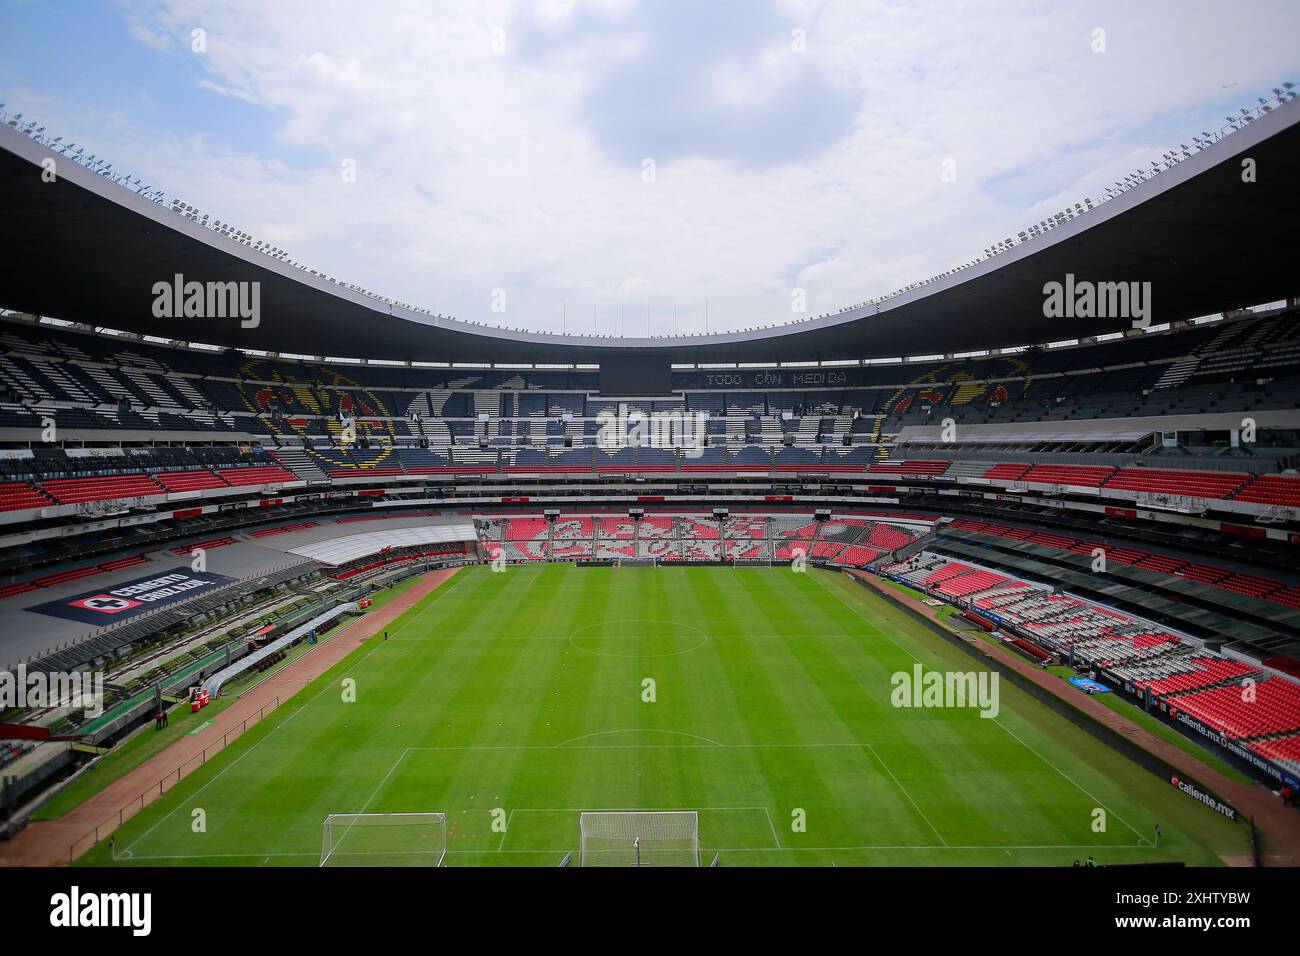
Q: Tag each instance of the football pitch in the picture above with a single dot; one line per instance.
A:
(760, 698)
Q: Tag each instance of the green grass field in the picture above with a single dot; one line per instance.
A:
(524, 690)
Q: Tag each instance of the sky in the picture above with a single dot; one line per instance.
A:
(624, 165)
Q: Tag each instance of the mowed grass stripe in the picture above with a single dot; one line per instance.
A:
(849, 701)
(242, 795)
(483, 699)
(488, 703)
(1036, 776)
(778, 708)
(848, 708)
(939, 758)
(742, 709)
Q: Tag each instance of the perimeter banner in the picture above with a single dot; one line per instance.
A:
(132, 597)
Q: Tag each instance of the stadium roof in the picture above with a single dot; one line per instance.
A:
(85, 249)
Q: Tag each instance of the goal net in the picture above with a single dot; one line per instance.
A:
(636, 562)
(384, 839)
(640, 838)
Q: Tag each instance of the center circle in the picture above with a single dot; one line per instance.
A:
(639, 638)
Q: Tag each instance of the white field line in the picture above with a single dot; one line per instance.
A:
(1094, 847)
(638, 730)
(509, 816)
(773, 826)
(711, 744)
(900, 786)
(1015, 737)
(375, 646)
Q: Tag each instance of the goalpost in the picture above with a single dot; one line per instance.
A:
(636, 562)
(384, 839)
(640, 838)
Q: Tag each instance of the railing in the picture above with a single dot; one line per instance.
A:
(1171, 501)
(155, 791)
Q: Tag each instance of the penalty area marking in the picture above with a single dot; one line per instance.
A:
(419, 608)
(767, 815)
(976, 847)
(641, 730)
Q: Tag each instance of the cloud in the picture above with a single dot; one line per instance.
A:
(677, 78)
(483, 165)
(150, 38)
(227, 91)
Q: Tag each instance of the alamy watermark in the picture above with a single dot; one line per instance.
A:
(632, 428)
(30, 690)
(1082, 299)
(946, 689)
(179, 299)
(78, 908)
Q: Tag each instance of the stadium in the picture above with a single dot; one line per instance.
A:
(999, 568)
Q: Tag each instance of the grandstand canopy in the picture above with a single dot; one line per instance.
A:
(86, 249)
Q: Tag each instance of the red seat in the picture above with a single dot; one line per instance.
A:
(104, 488)
(1191, 484)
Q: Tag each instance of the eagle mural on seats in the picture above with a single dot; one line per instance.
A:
(313, 405)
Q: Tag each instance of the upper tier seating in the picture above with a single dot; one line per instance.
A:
(1192, 484)
(798, 459)
(204, 545)
(909, 468)
(1011, 471)
(748, 458)
(1251, 585)
(87, 381)
(418, 461)
(106, 488)
(188, 480)
(1272, 490)
(1081, 475)
(570, 461)
(20, 496)
(257, 475)
(656, 460)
